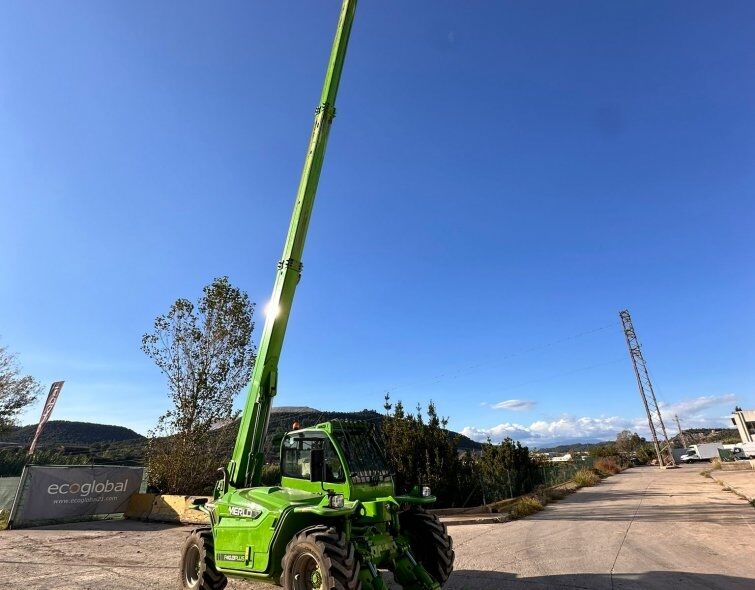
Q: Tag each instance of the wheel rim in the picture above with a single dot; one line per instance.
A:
(306, 573)
(191, 566)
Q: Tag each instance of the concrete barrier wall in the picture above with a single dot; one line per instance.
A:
(165, 508)
(738, 466)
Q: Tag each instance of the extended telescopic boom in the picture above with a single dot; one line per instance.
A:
(245, 467)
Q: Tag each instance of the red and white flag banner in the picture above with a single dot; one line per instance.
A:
(52, 397)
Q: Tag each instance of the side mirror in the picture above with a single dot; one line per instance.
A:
(317, 465)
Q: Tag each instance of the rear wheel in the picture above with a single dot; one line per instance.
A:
(197, 568)
(430, 543)
(320, 558)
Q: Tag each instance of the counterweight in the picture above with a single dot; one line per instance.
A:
(245, 467)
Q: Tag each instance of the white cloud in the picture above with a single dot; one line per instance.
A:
(497, 433)
(542, 432)
(516, 405)
(567, 428)
(691, 408)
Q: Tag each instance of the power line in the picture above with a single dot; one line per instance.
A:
(561, 374)
(454, 374)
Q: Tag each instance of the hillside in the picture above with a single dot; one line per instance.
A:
(577, 446)
(708, 435)
(283, 418)
(693, 436)
(65, 433)
(105, 443)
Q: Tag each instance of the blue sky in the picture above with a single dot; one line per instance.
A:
(502, 178)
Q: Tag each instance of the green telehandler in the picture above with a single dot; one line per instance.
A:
(335, 519)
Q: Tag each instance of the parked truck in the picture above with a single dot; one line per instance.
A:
(701, 452)
(748, 449)
(737, 452)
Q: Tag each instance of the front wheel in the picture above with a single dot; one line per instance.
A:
(430, 543)
(320, 558)
(197, 567)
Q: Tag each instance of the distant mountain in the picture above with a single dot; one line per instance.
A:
(707, 435)
(108, 442)
(692, 435)
(65, 433)
(566, 446)
(294, 409)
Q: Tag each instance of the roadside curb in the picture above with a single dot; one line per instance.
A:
(481, 519)
(737, 491)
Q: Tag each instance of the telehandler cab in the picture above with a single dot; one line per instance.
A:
(335, 518)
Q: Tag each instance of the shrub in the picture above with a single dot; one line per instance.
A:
(12, 461)
(556, 494)
(271, 475)
(586, 478)
(605, 450)
(507, 470)
(715, 463)
(646, 454)
(607, 466)
(526, 506)
(186, 463)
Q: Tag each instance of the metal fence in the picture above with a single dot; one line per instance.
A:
(8, 487)
(507, 484)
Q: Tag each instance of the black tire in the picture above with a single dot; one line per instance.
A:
(320, 554)
(197, 567)
(431, 545)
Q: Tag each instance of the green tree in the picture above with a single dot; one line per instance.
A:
(646, 453)
(206, 353)
(628, 442)
(506, 470)
(17, 391)
(421, 451)
(604, 450)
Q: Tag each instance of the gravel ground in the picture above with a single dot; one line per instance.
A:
(643, 529)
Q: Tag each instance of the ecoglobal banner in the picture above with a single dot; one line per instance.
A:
(66, 493)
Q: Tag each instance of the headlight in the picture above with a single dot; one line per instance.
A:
(335, 501)
(425, 491)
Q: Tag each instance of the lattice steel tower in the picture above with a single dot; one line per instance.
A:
(655, 421)
(682, 438)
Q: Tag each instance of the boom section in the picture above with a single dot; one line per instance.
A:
(245, 467)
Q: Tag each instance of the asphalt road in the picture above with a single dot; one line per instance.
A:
(644, 529)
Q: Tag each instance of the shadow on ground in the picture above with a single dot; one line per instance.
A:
(113, 525)
(479, 580)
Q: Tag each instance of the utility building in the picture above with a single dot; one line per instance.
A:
(744, 420)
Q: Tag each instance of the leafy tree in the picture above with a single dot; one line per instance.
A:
(628, 442)
(17, 391)
(604, 450)
(506, 470)
(646, 453)
(206, 353)
(421, 451)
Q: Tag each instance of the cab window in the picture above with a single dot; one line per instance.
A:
(296, 461)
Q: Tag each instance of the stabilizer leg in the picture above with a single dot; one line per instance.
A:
(411, 575)
(370, 577)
